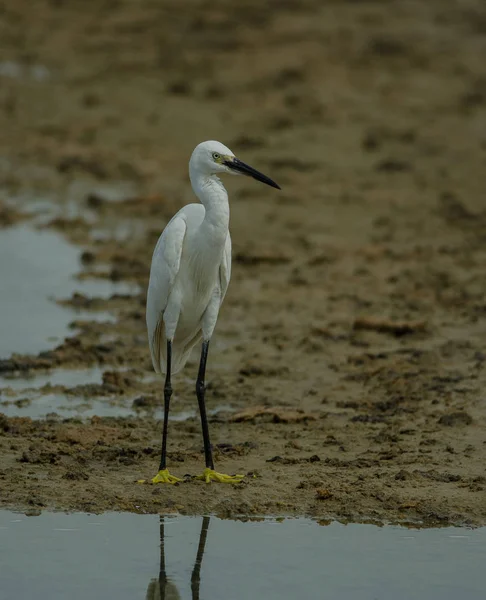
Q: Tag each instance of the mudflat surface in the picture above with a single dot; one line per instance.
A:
(349, 359)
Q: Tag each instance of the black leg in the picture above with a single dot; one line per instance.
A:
(162, 581)
(167, 395)
(162, 572)
(196, 572)
(200, 391)
(167, 588)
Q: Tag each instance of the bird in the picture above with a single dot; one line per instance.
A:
(189, 276)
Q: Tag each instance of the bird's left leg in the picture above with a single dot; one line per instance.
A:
(209, 321)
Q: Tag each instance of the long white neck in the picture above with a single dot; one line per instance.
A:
(212, 194)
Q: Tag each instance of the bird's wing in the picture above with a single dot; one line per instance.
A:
(225, 268)
(166, 261)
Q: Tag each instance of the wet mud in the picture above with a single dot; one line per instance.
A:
(349, 356)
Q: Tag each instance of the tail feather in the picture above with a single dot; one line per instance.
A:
(180, 351)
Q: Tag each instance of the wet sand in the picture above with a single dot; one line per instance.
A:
(350, 348)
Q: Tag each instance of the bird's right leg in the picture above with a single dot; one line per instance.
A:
(209, 474)
(208, 323)
(163, 476)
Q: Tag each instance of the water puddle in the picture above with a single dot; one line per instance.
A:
(113, 191)
(41, 405)
(37, 267)
(63, 407)
(27, 396)
(15, 70)
(66, 377)
(80, 200)
(120, 231)
(23, 396)
(126, 556)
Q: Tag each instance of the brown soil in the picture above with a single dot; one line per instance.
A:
(351, 343)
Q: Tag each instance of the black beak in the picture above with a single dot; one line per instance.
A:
(235, 164)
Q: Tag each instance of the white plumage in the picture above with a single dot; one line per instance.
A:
(191, 265)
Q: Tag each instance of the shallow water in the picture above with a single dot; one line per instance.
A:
(63, 406)
(66, 377)
(39, 406)
(38, 267)
(15, 70)
(22, 396)
(78, 556)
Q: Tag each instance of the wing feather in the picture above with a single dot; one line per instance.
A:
(225, 268)
(166, 262)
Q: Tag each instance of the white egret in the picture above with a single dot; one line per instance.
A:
(189, 276)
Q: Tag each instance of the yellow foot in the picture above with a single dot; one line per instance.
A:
(165, 477)
(211, 475)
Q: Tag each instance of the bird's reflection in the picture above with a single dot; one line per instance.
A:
(165, 589)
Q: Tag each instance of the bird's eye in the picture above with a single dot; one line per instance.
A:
(216, 156)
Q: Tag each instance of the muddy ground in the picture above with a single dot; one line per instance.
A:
(350, 349)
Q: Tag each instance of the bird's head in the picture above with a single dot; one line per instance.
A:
(214, 158)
